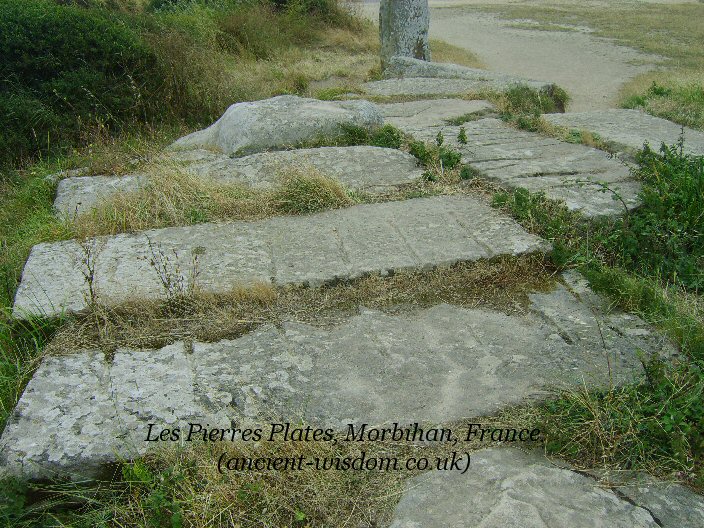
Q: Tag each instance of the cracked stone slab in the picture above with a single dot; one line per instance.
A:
(409, 67)
(421, 87)
(435, 365)
(433, 112)
(508, 487)
(630, 129)
(674, 505)
(316, 249)
(576, 174)
(361, 168)
(279, 123)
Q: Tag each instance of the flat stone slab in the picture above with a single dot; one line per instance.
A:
(278, 123)
(408, 67)
(630, 129)
(435, 365)
(508, 487)
(420, 87)
(563, 171)
(433, 112)
(314, 249)
(674, 505)
(362, 168)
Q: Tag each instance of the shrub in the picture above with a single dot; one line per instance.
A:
(64, 67)
(665, 236)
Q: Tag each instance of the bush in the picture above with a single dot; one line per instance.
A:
(64, 67)
(665, 236)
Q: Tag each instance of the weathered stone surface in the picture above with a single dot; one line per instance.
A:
(630, 129)
(435, 365)
(410, 67)
(79, 194)
(362, 168)
(432, 112)
(315, 249)
(420, 87)
(507, 487)
(403, 29)
(279, 122)
(516, 158)
(673, 505)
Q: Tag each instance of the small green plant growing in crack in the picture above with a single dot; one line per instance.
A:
(439, 139)
(179, 285)
(87, 262)
(462, 136)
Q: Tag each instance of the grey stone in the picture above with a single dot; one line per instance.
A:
(576, 174)
(403, 29)
(507, 487)
(79, 194)
(673, 505)
(278, 123)
(315, 249)
(630, 129)
(435, 365)
(420, 87)
(433, 112)
(362, 168)
(409, 67)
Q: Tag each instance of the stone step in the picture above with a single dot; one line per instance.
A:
(630, 129)
(432, 112)
(509, 487)
(363, 168)
(403, 67)
(409, 77)
(435, 365)
(516, 158)
(316, 249)
(423, 87)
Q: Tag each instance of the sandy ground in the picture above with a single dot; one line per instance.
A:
(591, 69)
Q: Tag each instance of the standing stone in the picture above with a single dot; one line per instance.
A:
(403, 26)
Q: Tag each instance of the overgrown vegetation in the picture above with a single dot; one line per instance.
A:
(644, 262)
(179, 62)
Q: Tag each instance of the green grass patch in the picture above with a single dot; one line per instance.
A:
(644, 262)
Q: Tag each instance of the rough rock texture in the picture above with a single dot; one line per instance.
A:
(409, 67)
(675, 506)
(315, 249)
(279, 122)
(433, 112)
(435, 365)
(515, 158)
(403, 29)
(369, 169)
(629, 129)
(507, 487)
(79, 194)
(422, 87)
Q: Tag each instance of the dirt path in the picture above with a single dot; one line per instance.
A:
(591, 69)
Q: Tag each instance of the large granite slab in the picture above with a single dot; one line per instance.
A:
(630, 129)
(361, 168)
(563, 171)
(314, 249)
(509, 487)
(433, 112)
(435, 365)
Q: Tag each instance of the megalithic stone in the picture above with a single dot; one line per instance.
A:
(403, 27)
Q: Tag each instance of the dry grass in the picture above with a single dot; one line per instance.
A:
(171, 196)
(184, 483)
(501, 284)
(445, 52)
